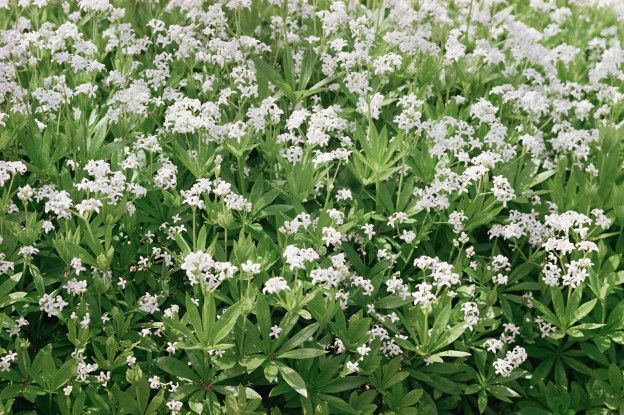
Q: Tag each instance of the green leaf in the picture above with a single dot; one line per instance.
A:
(442, 318)
(583, 310)
(37, 279)
(263, 315)
(449, 336)
(615, 377)
(8, 285)
(301, 336)
(177, 368)
(293, 379)
(482, 401)
(195, 319)
(208, 313)
(547, 314)
(453, 353)
(265, 70)
(156, 403)
(337, 385)
(307, 68)
(339, 404)
(301, 354)
(557, 300)
(224, 325)
(412, 397)
(65, 373)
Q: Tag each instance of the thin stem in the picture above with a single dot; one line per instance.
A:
(194, 234)
(468, 19)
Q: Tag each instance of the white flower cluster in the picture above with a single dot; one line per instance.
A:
(219, 188)
(201, 268)
(512, 360)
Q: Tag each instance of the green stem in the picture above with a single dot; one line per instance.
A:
(194, 234)
(468, 19)
(225, 243)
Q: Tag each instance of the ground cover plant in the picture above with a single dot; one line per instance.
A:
(311, 207)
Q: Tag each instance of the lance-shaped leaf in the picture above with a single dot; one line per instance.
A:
(293, 379)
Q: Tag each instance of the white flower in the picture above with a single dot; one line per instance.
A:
(28, 251)
(84, 369)
(408, 236)
(59, 203)
(368, 229)
(398, 217)
(484, 111)
(578, 271)
(453, 47)
(275, 331)
(493, 345)
(6, 360)
(601, 219)
(546, 329)
(166, 176)
(94, 5)
(197, 265)
(456, 220)
(471, 314)
(512, 360)
(75, 287)
(502, 190)
(52, 305)
(154, 382)
(372, 106)
(103, 378)
(339, 346)
(89, 205)
(331, 236)
(344, 194)
(174, 406)
(296, 257)
(365, 285)
(251, 267)
(352, 367)
(25, 193)
(76, 264)
(363, 351)
(149, 303)
(500, 279)
(275, 285)
(8, 169)
(47, 226)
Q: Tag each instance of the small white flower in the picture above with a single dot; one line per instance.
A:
(154, 382)
(352, 367)
(89, 205)
(28, 251)
(331, 236)
(275, 331)
(149, 303)
(76, 264)
(251, 267)
(275, 285)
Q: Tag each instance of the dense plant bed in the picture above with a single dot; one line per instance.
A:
(288, 207)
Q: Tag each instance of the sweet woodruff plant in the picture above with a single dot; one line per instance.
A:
(311, 207)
